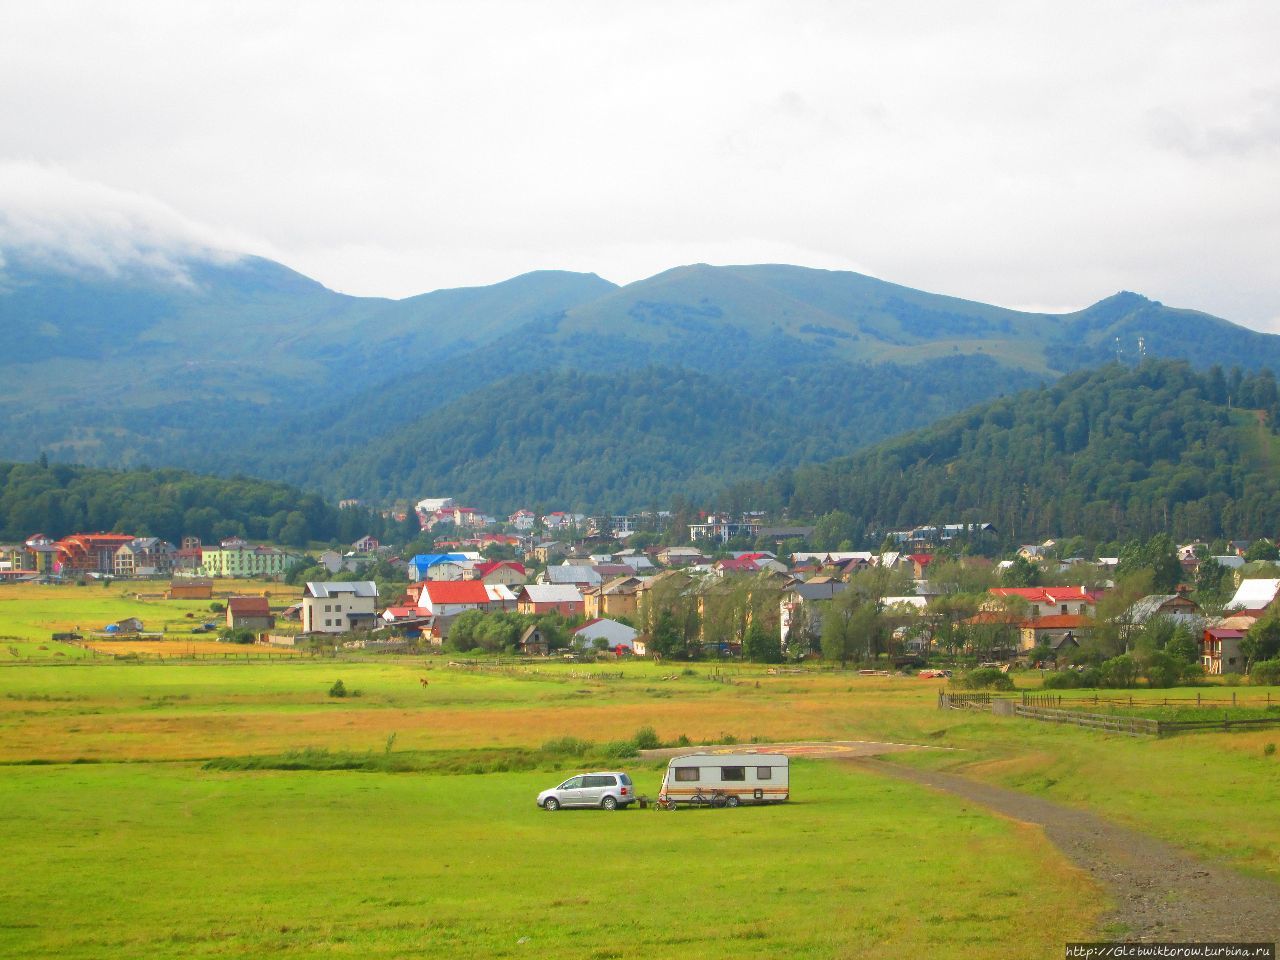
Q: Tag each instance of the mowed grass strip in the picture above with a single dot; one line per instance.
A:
(165, 860)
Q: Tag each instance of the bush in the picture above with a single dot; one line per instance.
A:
(1119, 672)
(986, 678)
(1265, 673)
(1064, 680)
(567, 746)
(218, 607)
(1162, 670)
(618, 750)
(339, 689)
(646, 738)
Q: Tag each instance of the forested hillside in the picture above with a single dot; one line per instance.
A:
(1106, 454)
(550, 386)
(58, 500)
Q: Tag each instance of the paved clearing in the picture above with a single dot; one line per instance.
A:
(1160, 893)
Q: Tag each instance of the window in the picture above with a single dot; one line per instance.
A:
(598, 781)
(686, 774)
(573, 783)
(337, 608)
(327, 608)
(764, 773)
(733, 773)
(328, 622)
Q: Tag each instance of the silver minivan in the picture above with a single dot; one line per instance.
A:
(608, 791)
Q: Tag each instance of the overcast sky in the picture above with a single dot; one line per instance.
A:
(1032, 154)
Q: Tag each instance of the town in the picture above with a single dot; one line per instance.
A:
(719, 588)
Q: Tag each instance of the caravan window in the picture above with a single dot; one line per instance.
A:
(686, 773)
(733, 773)
(764, 773)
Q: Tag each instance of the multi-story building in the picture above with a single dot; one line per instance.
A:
(332, 607)
(235, 558)
(145, 557)
(84, 553)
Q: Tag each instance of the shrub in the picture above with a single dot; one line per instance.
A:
(218, 607)
(1064, 680)
(1269, 750)
(646, 738)
(986, 678)
(339, 689)
(1119, 672)
(618, 750)
(1265, 673)
(567, 746)
(1162, 670)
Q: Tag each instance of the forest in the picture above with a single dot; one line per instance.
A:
(1105, 454)
(60, 499)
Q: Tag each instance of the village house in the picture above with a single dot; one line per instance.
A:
(1254, 594)
(533, 642)
(507, 572)
(618, 637)
(366, 544)
(580, 576)
(680, 556)
(617, 598)
(1043, 601)
(522, 520)
(538, 598)
(1174, 607)
(1053, 630)
(190, 588)
(448, 598)
(249, 613)
(1220, 651)
(339, 607)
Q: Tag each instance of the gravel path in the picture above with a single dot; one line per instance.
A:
(1160, 893)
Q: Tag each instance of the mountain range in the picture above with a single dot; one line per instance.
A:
(552, 387)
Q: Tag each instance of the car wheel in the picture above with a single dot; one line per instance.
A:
(732, 801)
(609, 803)
(551, 803)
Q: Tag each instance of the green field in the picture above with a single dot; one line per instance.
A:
(31, 613)
(138, 827)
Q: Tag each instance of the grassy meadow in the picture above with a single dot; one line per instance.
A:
(145, 819)
(30, 613)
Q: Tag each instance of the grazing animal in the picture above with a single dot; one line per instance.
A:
(423, 681)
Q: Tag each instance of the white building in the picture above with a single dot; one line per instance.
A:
(333, 607)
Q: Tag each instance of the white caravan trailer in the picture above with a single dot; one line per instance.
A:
(725, 779)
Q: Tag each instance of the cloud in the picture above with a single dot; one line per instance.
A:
(50, 217)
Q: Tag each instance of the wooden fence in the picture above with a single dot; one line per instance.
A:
(1131, 726)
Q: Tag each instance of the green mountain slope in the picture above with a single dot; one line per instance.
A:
(1106, 454)
(249, 366)
(633, 439)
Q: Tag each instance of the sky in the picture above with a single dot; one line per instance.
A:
(1040, 155)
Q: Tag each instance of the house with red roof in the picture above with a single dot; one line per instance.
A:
(1043, 601)
(919, 564)
(249, 613)
(447, 598)
(507, 572)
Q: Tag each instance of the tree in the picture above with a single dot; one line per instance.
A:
(1262, 642)
(840, 627)
(1261, 550)
(761, 645)
(1021, 572)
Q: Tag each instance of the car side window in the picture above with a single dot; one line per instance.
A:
(597, 781)
(571, 784)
